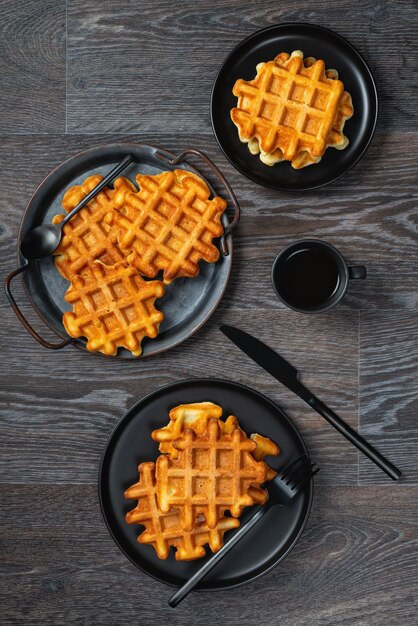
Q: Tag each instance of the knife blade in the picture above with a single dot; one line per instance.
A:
(285, 373)
(268, 359)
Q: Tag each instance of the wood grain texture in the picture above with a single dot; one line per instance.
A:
(139, 59)
(355, 564)
(85, 396)
(389, 405)
(375, 205)
(32, 66)
(146, 69)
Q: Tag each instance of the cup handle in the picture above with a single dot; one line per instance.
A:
(357, 271)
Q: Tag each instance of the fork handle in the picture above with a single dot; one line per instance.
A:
(210, 564)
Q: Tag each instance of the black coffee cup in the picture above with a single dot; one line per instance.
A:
(311, 276)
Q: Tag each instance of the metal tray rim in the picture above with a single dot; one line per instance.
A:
(79, 343)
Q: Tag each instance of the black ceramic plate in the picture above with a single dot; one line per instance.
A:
(131, 444)
(337, 53)
(187, 303)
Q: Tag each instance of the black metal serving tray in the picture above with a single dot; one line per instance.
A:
(188, 303)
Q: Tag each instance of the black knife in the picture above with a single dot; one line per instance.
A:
(285, 373)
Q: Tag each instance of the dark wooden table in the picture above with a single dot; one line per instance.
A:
(80, 73)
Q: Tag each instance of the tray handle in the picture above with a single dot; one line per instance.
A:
(221, 178)
(22, 318)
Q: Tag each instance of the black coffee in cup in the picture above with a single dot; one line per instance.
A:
(312, 276)
(308, 277)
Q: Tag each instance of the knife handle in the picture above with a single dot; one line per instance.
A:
(356, 439)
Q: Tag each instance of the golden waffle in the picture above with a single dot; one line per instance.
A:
(293, 110)
(213, 472)
(89, 235)
(113, 307)
(169, 224)
(265, 447)
(196, 416)
(164, 530)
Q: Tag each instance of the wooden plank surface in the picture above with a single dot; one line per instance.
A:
(32, 66)
(355, 564)
(376, 205)
(133, 58)
(388, 340)
(81, 73)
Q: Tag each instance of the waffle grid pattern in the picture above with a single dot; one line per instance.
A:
(112, 307)
(169, 224)
(194, 416)
(87, 236)
(213, 472)
(164, 530)
(291, 108)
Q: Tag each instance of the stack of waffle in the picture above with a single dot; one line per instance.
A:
(293, 110)
(123, 236)
(207, 472)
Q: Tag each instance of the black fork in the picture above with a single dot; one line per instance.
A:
(290, 481)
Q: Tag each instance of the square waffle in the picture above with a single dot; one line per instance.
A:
(165, 530)
(213, 472)
(292, 110)
(89, 235)
(196, 416)
(113, 307)
(169, 224)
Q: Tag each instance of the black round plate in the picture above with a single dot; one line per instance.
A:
(187, 304)
(337, 53)
(131, 444)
